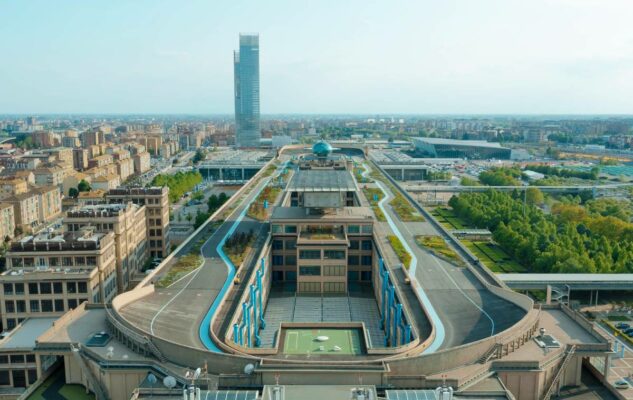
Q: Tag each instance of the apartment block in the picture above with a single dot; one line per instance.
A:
(141, 162)
(127, 222)
(49, 203)
(156, 199)
(7, 221)
(80, 159)
(50, 273)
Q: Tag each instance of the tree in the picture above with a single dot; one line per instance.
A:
(73, 192)
(534, 196)
(199, 156)
(83, 186)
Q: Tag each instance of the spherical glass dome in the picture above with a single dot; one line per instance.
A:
(322, 149)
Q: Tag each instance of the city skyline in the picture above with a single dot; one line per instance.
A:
(420, 58)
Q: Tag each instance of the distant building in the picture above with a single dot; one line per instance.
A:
(246, 70)
(452, 148)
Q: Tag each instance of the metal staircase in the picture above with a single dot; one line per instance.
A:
(93, 381)
(569, 353)
(490, 354)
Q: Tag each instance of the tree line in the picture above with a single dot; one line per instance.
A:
(179, 183)
(573, 239)
(592, 174)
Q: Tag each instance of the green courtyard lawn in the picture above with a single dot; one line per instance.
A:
(494, 257)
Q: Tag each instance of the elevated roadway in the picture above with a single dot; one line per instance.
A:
(545, 189)
(461, 308)
(574, 281)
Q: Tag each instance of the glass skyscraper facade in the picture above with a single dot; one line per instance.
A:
(246, 69)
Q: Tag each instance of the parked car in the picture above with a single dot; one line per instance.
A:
(621, 384)
(622, 325)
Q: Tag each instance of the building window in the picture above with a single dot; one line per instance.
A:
(4, 378)
(17, 358)
(334, 254)
(91, 260)
(71, 287)
(278, 260)
(8, 288)
(367, 229)
(32, 376)
(310, 254)
(333, 270)
(4, 359)
(353, 260)
(35, 306)
(290, 229)
(20, 306)
(59, 305)
(353, 229)
(278, 245)
(19, 378)
(30, 358)
(19, 288)
(82, 287)
(367, 245)
(291, 260)
(334, 287)
(310, 270)
(80, 260)
(10, 323)
(57, 288)
(45, 288)
(47, 306)
(276, 228)
(9, 306)
(34, 288)
(291, 244)
(312, 287)
(354, 245)
(67, 261)
(366, 260)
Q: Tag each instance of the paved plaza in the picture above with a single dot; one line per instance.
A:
(358, 306)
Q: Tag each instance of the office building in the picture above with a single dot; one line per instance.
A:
(246, 81)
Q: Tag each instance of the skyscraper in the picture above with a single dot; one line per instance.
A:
(246, 68)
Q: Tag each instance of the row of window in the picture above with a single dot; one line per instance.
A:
(359, 260)
(355, 229)
(19, 262)
(315, 287)
(290, 244)
(45, 288)
(155, 232)
(45, 305)
(361, 244)
(328, 270)
(98, 227)
(19, 377)
(327, 254)
(17, 358)
(284, 228)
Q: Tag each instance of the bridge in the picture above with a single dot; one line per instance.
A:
(544, 189)
(573, 281)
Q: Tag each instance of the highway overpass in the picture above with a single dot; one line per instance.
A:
(574, 281)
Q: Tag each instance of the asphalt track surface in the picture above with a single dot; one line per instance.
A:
(468, 312)
(466, 309)
(177, 312)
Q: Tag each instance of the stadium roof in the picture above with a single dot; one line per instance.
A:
(456, 142)
(322, 181)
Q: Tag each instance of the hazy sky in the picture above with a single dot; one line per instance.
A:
(327, 56)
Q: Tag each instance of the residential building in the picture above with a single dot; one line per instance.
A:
(49, 202)
(106, 182)
(92, 137)
(141, 162)
(26, 209)
(50, 273)
(7, 221)
(127, 222)
(246, 82)
(11, 187)
(49, 176)
(156, 199)
(80, 159)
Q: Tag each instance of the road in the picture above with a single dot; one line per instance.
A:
(466, 310)
(171, 312)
